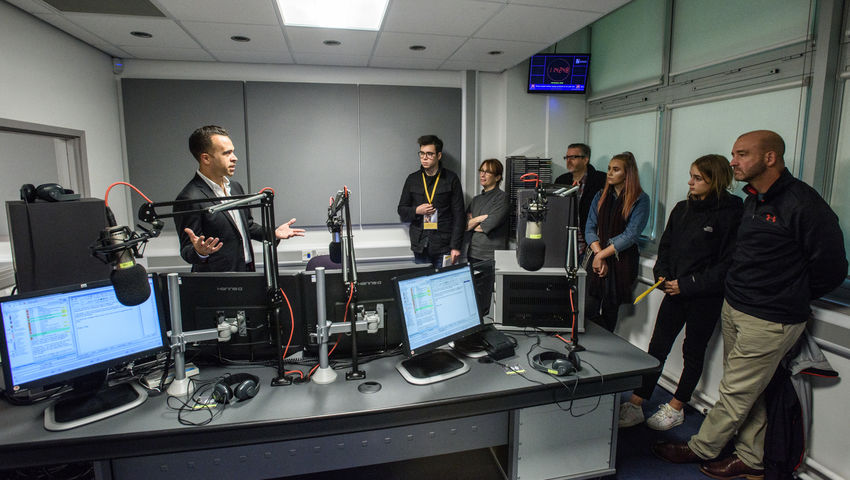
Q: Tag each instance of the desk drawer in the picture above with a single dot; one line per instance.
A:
(296, 457)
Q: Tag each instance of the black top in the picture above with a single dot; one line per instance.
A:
(594, 181)
(231, 256)
(789, 251)
(697, 244)
(448, 200)
(494, 204)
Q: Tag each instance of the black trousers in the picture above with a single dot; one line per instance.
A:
(698, 316)
(602, 311)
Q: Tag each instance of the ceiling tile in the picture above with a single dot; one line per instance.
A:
(116, 29)
(159, 53)
(599, 6)
(252, 12)
(32, 6)
(309, 40)
(478, 50)
(458, 34)
(216, 36)
(398, 45)
(443, 17)
(480, 66)
(331, 59)
(406, 62)
(65, 25)
(252, 57)
(535, 24)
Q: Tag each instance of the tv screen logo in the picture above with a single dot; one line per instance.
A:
(558, 70)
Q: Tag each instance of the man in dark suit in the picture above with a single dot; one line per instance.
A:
(218, 242)
(581, 172)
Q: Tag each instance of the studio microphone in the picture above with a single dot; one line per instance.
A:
(120, 246)
(129, 279)
(334, 223)
(335, 247)
(531, 250)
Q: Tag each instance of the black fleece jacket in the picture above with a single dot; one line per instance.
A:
(696, 246)
(451, 216)
(789, 251)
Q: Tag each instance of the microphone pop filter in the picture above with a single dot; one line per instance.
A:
(531, 253)
(335, 252)
(131, 285)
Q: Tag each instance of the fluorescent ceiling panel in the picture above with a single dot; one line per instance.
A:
(345, 14)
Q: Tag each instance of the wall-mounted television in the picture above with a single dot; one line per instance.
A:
(558, 73)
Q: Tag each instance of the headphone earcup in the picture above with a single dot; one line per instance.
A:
(49, 192)
(222, 392)
(562, 366)
(575, 360)
(246, 389)
(28, 192)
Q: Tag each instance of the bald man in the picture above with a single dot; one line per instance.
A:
(789, 251)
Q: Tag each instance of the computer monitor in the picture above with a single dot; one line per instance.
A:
(72, 336)
(484, 279)
(436, 307)
(374, 294)
(239, 299)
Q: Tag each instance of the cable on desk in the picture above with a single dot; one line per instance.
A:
(197, 403)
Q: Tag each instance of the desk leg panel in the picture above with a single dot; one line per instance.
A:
(317, 454)
(573, 440)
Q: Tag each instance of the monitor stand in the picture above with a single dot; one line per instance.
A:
(470, 347)
(82, 409)
(431, 367)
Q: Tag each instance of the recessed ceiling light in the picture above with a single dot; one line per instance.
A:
(347, 14)
(417, 48)
(240, 38)
(332, 43)
(141, 34)
(495, 52)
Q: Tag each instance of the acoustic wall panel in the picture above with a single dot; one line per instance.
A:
(159, 116)
(392, 118)
(304, 140)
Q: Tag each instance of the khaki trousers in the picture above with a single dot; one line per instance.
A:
(752, 350)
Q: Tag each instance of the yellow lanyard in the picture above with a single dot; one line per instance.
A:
(430, 197)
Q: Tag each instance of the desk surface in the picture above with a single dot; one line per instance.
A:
(311, 410)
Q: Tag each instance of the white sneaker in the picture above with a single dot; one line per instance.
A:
(665, 418)
(630, 415)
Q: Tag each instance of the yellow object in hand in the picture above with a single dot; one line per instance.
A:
(640, 297)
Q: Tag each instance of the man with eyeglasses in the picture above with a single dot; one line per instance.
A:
(432, 202)
(580, 172)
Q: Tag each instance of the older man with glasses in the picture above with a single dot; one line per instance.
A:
(432, 202)
(580, 172)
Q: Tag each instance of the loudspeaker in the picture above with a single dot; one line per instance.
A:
(556, 363)
(50, 242)
(240, 386)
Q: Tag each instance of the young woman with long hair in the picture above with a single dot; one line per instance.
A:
(617, 216)
(693, 256)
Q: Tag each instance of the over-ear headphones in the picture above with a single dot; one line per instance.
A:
(240, 386)
(49, 192)
(556, 363)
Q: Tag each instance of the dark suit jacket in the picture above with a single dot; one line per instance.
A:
(594, 183)
(231, 257)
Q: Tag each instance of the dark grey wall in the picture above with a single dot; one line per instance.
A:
(304, 140)
(159, 116)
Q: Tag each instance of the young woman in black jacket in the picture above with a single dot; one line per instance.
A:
(693, 256)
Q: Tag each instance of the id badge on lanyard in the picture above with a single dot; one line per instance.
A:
(429, 221)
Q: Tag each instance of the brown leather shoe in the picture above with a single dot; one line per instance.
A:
(676, 452)
(730, 468)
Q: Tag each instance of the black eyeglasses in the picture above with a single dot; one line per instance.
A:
(427, 154)
(487, 172)
(573, 157)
